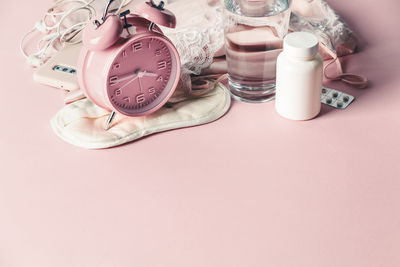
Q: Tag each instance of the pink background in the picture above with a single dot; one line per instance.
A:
(251, 189)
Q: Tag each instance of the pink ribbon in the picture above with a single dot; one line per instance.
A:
(349, 78)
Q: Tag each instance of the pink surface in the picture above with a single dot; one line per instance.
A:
(251, 189)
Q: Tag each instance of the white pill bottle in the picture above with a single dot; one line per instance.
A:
(299, 77)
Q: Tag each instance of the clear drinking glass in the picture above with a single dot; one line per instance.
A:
(254, 30)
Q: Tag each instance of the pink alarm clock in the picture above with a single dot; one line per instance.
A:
(127, 65)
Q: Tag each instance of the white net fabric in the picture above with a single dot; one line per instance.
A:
(320, 19)
(198, 37)
(199, 34)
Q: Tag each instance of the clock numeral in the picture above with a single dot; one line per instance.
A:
(124, 54)
(127, 99)
(118, 92)
(160, 79)
(140, 98)
(137, 46)
(158, 52)
(116, 66)
(162, 65)
(152, 90)
(113, 80)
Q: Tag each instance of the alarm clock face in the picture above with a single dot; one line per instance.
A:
(143, 76)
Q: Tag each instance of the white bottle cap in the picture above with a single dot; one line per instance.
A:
(300, 44)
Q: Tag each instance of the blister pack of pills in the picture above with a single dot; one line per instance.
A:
(335, 98)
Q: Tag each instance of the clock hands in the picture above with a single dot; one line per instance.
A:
(131, 77)
(127, 77)
(140, 82)
(148, 74)
(142, 74)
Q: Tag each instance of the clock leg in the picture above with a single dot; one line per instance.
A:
(109, 120)
(151, 26)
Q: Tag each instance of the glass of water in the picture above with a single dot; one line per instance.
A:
(254, 30)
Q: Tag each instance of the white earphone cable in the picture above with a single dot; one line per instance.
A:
(52, 25)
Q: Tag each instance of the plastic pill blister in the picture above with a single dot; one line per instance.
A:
(335, 98)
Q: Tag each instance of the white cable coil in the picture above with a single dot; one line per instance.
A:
(52, 25)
